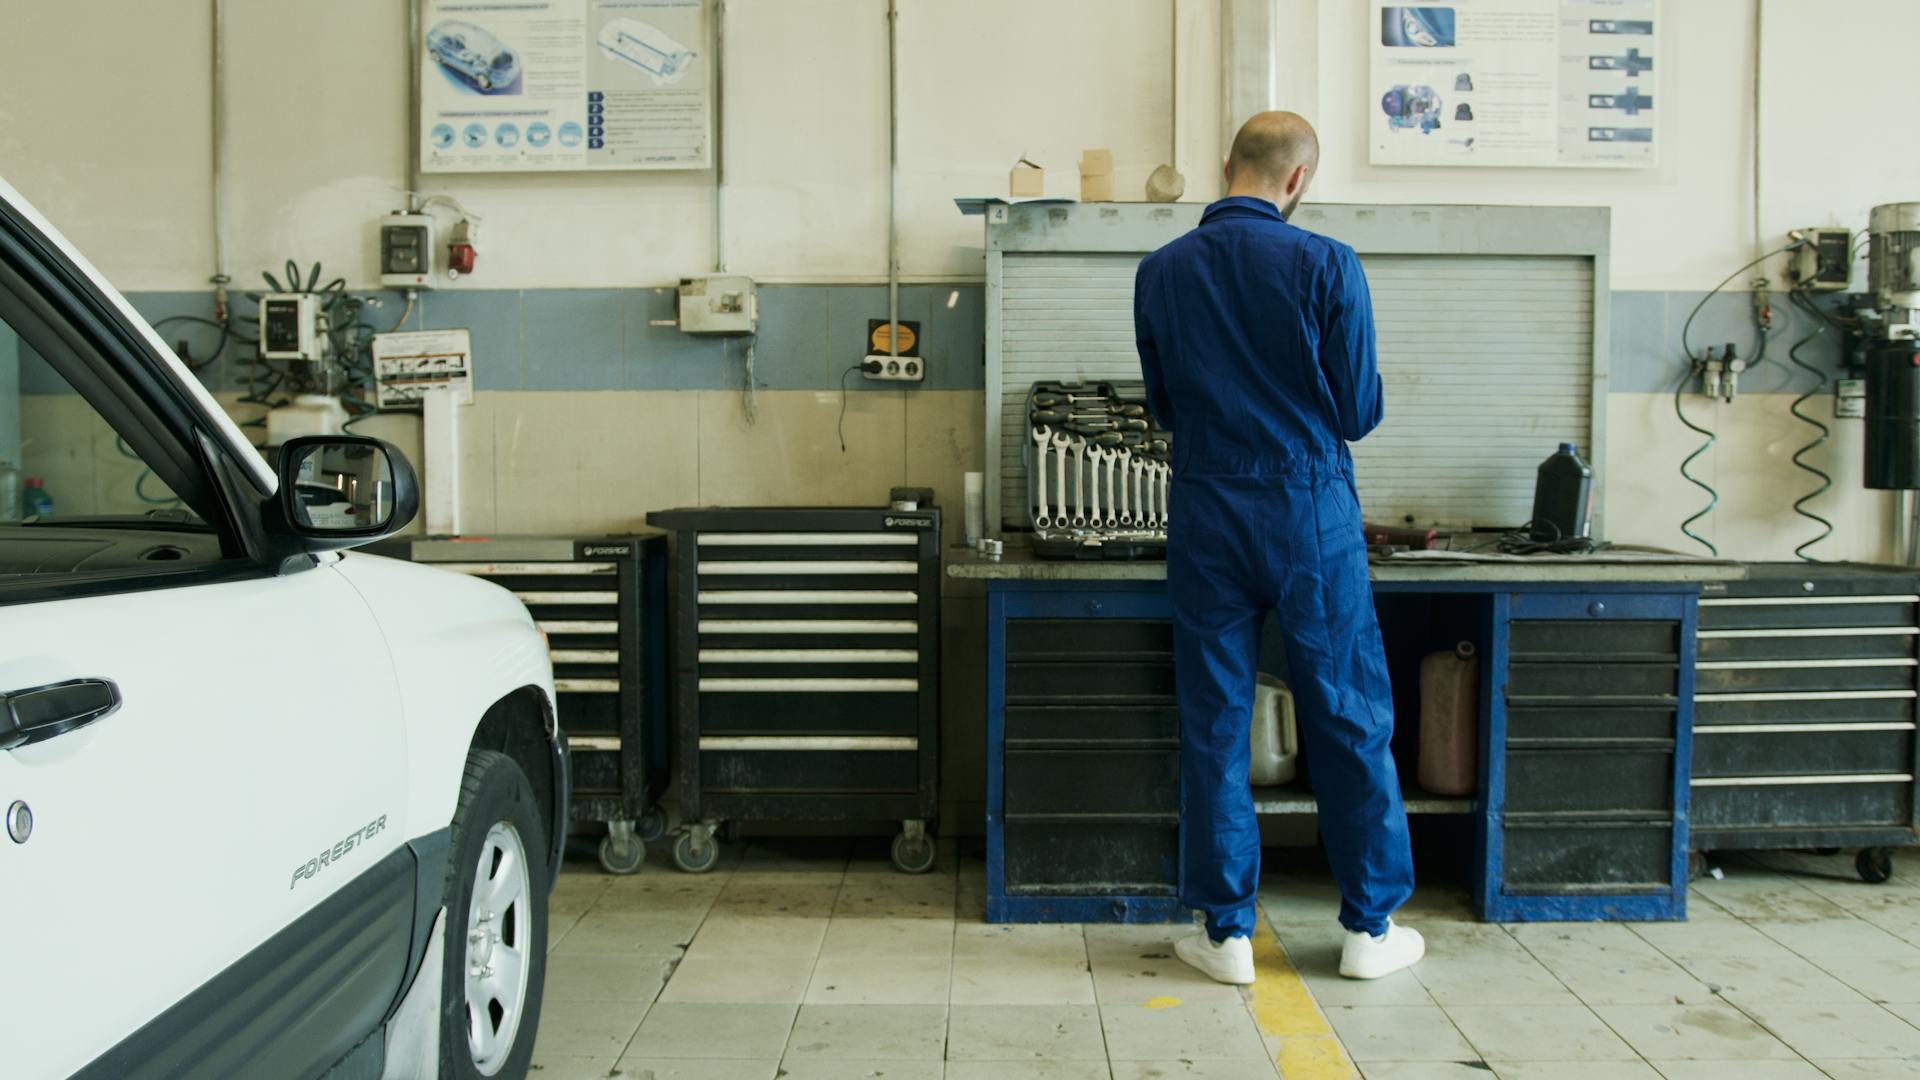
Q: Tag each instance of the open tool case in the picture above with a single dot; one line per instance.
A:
(1098, 473)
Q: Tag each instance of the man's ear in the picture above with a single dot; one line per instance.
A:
(1297, 181)
(1226, 171)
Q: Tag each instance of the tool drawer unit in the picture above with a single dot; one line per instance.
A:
(601, 601)
(1586, 750)
(1805, 711)
(806, 671)
(1083, 751)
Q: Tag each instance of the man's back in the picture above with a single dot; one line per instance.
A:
(1256, 341)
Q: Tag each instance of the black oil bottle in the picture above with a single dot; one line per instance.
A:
(1562, 496)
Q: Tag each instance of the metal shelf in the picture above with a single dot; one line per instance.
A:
(1294, 798)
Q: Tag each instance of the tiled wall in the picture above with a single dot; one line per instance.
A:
(587, 416)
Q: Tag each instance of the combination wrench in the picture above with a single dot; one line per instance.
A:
(1128, 504)
(1166, 492)
(1145, 517)
(1098, 454)
(1079, 483)
(1041, 520)
(1060, 445)
(1113, 505)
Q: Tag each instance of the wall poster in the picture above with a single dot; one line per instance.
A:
(544, 85)
(1515, 82)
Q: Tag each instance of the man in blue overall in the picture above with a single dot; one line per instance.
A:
(1256, 340)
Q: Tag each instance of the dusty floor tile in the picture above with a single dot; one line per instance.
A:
(1607, 964)
(572, 1067)
(606, 977)
(1024, 1032)
(702, 1030)
(642, 1067)
(869, 1032)
(763, 899)
(1464, 976)
(999, 941)
(599, 932)
(1021, 980)
(810, 1069)
(888, 937)
(1708, 938)
(587, 1029)
(1184, 1070)
(1888, 1069)
(1573, 1070)
(1143, 967)
(1180, 1032)
(1691, 1032)
(1840, 1031)
(742, 932)
(1399, 1033)
(1833, 938)
(740, 978)
(1886, 977)
(1739, 1070)
(1769, 977)
(880, 980)
(1056, 1070)
(1538, 1033)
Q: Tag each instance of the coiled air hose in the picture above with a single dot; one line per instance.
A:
(1713, 497)
(1826, 481)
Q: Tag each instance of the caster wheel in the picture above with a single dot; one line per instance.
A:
(695, 856)
(653, 825)
(1696, 865)
(913, 856)
(621, 858)
(1875, 865)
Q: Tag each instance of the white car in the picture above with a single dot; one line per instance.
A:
(270, 810)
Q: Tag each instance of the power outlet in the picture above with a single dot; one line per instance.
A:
(895, 368)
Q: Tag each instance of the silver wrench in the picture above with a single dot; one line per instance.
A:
(1149, 475)
(1041, 519)
(1127, 503)
(1144, 517)
(1113, 505)
(1060, 444)
(1099, 454)
(1079, 482)
(1166, 492)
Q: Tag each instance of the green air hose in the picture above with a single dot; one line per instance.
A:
(1826, 481)
(1713, 497)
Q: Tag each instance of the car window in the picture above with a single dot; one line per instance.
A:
(75, 497)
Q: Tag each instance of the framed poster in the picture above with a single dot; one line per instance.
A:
(1515, 82)
(556, 85)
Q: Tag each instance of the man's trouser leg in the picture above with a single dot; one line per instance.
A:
(1344, 706)
(1216, 643)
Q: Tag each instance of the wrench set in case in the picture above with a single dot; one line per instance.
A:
(1098, 473)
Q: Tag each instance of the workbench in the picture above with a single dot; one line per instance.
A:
(1585, 731)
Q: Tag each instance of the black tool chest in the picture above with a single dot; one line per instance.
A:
(601, 601)
(1088, 816)
(1588, 796)
(1805, 711)
(806, 671)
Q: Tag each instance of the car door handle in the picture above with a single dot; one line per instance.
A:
(41, 712)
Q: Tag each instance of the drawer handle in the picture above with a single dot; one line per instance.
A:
(1596, 609)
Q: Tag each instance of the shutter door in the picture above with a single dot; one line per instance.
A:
(1487, 362)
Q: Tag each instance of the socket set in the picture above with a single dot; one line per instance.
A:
(1098, 473)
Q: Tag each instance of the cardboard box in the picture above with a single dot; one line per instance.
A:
(1096, 176)
(1026, 180)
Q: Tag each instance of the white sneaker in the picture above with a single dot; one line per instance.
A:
(1230, 961)
(1367, 957)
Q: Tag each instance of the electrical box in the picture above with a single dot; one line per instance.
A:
(1826, 261)
(407, 365)
(290, 327)
(406, 251)
(719, 304)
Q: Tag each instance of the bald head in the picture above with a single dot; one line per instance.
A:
(1273, 158)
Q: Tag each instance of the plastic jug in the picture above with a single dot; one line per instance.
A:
(1562, 496)
(1276, 741)
(36, 502)
(1449, 721)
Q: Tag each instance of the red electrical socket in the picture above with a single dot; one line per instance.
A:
(460, 249)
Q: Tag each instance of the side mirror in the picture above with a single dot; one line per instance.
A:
(340, 491)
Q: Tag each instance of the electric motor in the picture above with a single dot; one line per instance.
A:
(1893, 267)
(1893, 353)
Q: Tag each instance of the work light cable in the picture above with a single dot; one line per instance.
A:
(1801, 301)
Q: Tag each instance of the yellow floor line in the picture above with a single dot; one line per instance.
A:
(1284, 1009)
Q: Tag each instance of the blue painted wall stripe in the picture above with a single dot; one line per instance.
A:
(613, 339)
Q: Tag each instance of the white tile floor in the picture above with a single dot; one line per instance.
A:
(807, 959)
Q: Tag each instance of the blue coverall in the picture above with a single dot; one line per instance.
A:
(1256, 340)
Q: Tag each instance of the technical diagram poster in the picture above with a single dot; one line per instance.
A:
(530, 85)
(1515, 82)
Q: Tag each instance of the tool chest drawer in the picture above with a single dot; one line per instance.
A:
(1083, 816)
(601, 602)
(1587, 775)
(806, 669)
(1805, 706)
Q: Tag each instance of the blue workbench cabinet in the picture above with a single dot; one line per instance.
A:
(1083, 750)
(1586, 749)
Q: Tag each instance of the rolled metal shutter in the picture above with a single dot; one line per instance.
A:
(1487, 360)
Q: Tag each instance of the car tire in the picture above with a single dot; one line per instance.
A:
(496, 946)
